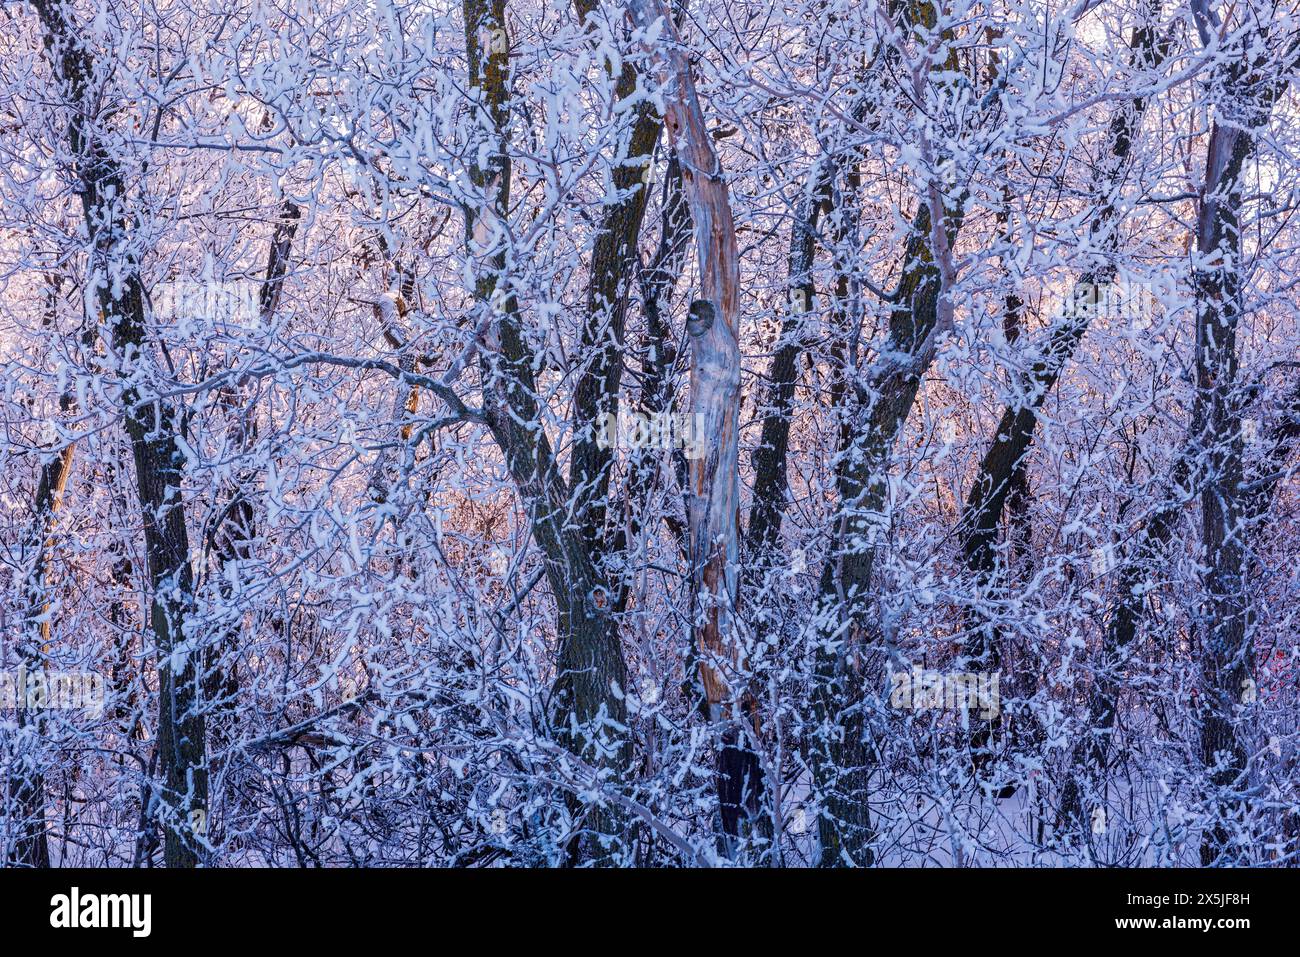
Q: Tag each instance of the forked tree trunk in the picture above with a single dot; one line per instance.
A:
(644, 470)
(588, 700)
(841, 756)
(1226, 648)
(1246, 91)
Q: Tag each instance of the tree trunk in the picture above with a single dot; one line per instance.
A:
(26, 781)
(604, 329)
(235, 529)
(713, 503)
(1002, 477)
(589, 710)
(151, 426)
(1245, 94)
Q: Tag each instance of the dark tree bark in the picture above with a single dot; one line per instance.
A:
(1091, 755)
(587, 700)
(872, 415)
(151, 425)
(604, 330)
(1227, 651)
(825, 195)
(771, 477)
(1210, 468)
(1002, 477)
(659, 356)
(1245, 93)
(233, 533)
(841, 759)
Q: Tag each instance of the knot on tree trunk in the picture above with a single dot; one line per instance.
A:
(701, 317)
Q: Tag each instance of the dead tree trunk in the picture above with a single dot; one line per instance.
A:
(715, 409)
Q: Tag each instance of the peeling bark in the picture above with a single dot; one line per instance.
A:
(712, 514)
